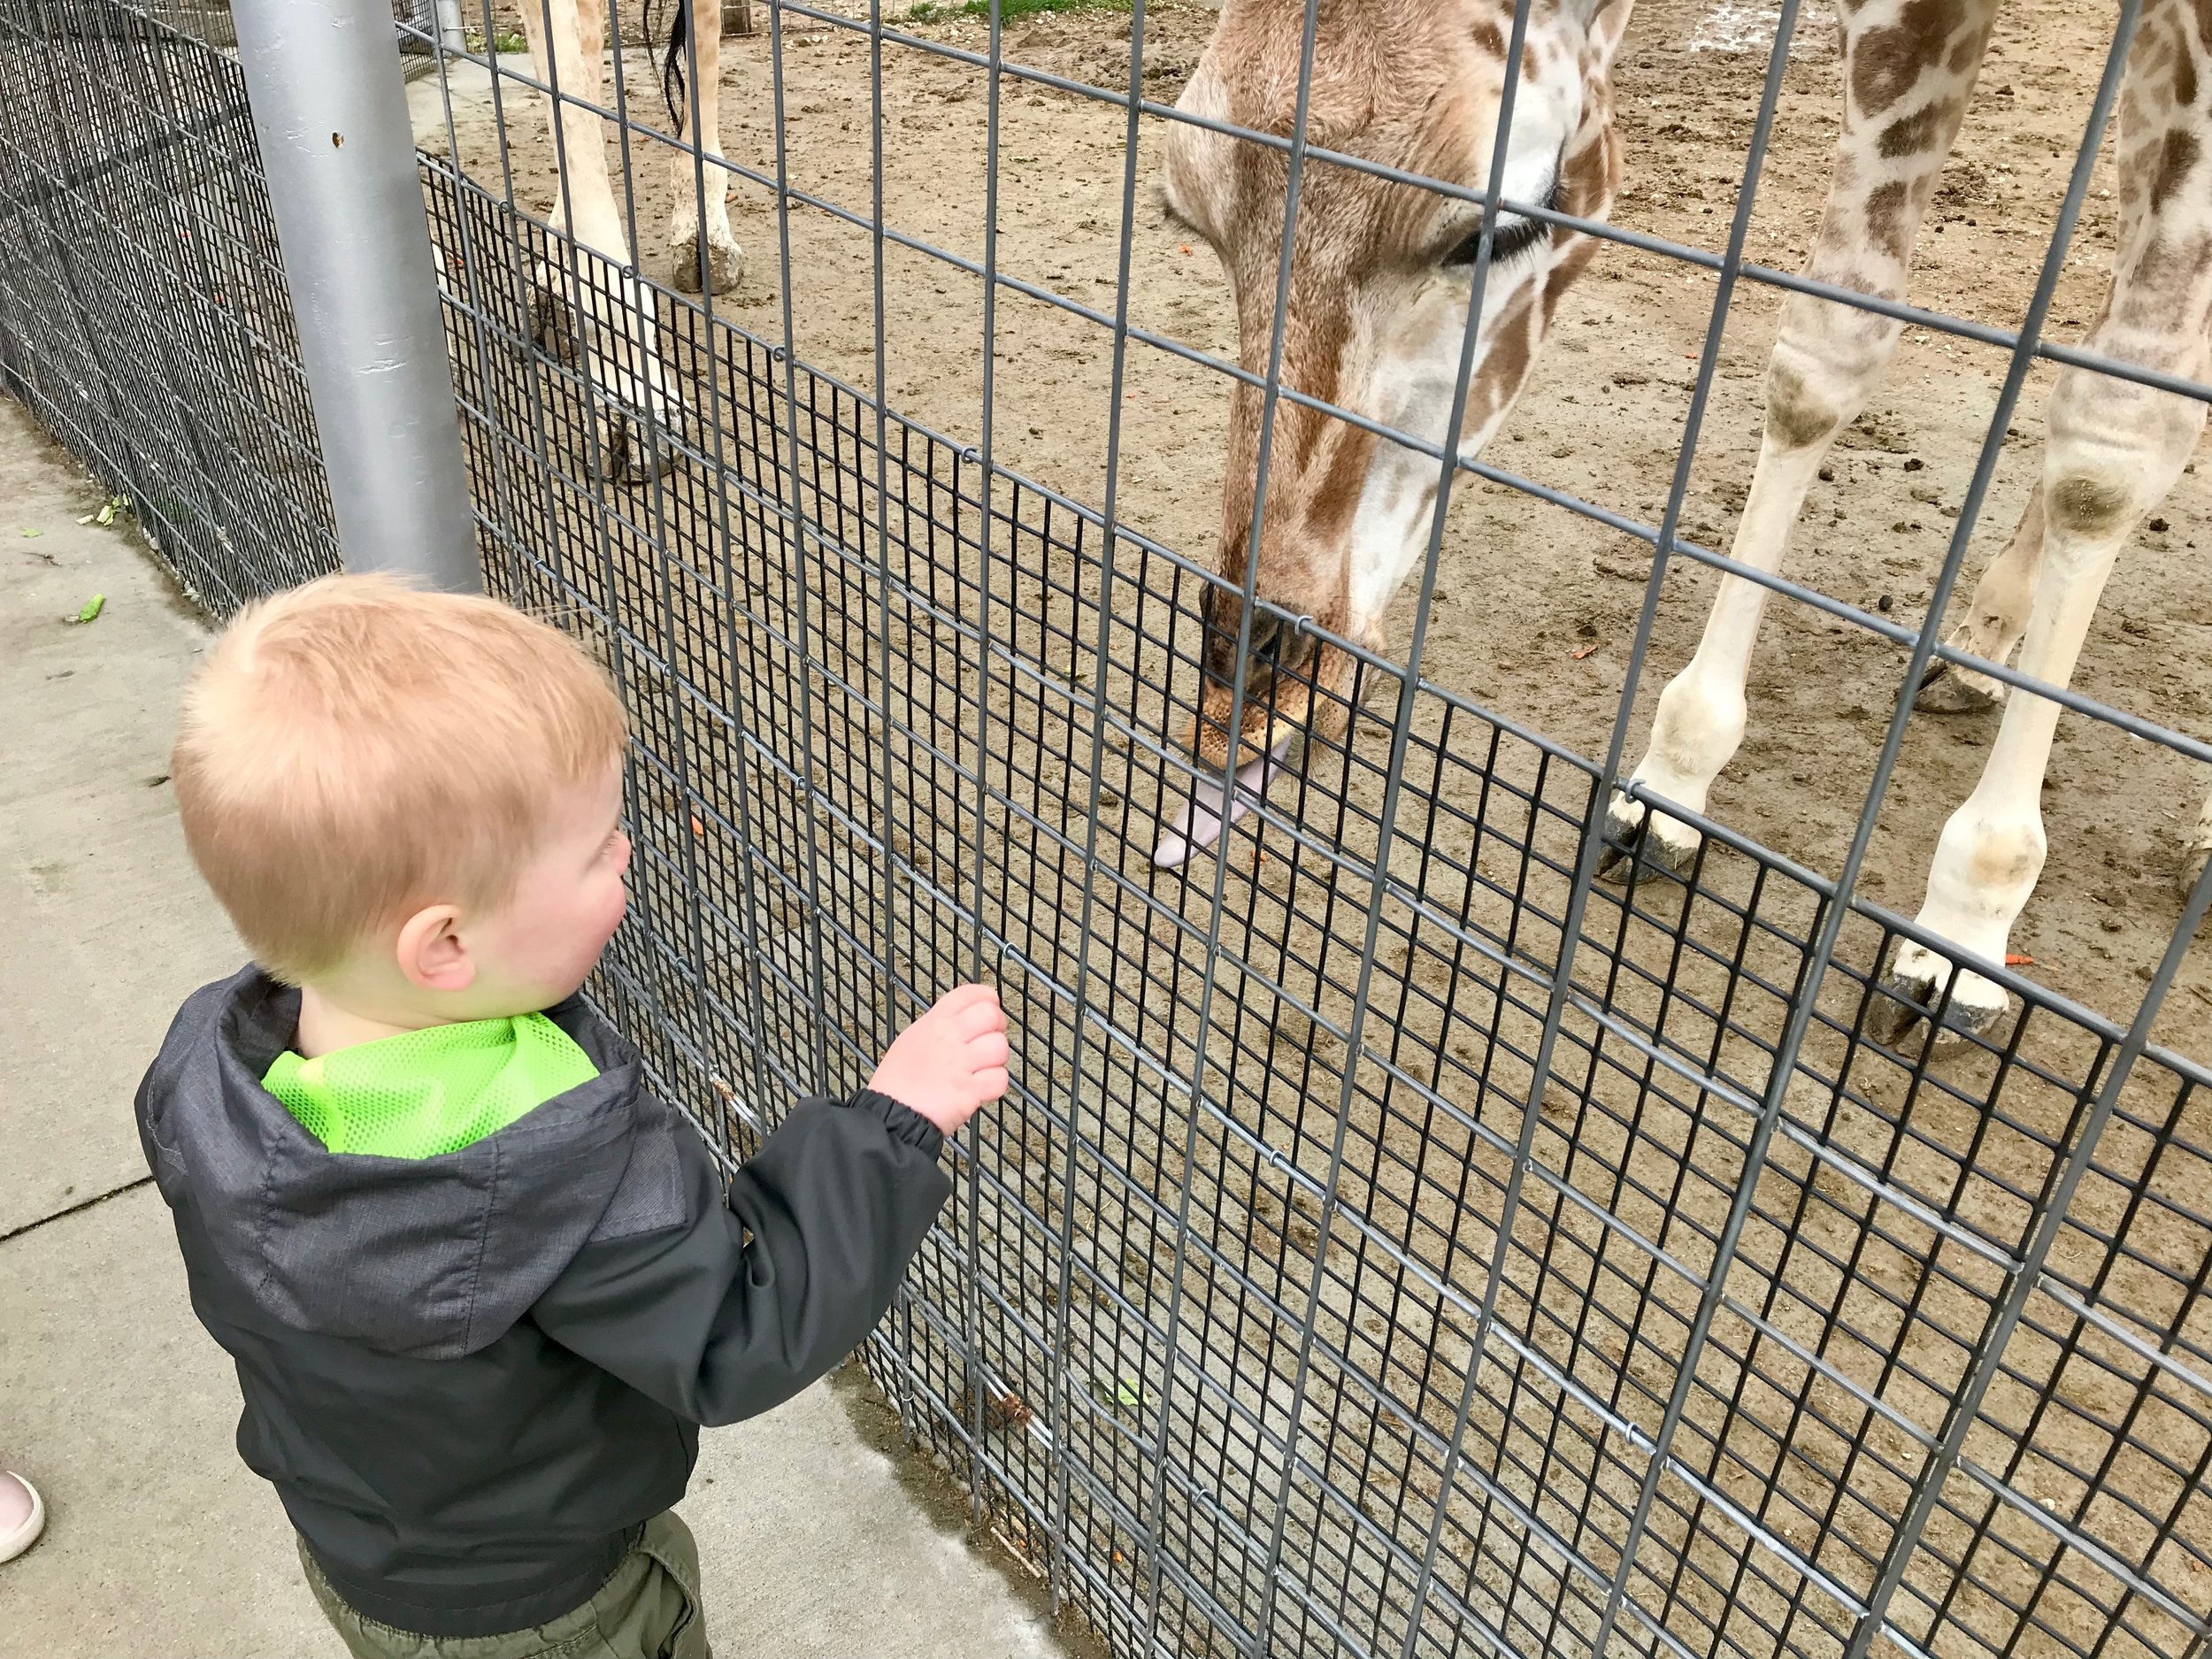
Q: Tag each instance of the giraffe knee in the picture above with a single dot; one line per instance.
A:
(2090, 506)
(1797, 416)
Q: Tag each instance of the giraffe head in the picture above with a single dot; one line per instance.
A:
(1380, 279)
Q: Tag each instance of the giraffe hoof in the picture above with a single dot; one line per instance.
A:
(1912, 990)
(722, 266)
(637, 450)
(1946, 688)
(1636, 838)
(552, 325)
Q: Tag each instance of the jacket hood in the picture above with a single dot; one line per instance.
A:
(425, 1257)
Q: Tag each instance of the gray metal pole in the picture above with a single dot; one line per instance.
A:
(329, 108)
(452, 36)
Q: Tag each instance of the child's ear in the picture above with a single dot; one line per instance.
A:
(431, 952)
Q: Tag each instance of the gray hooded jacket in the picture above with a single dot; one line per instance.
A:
(473, 1378)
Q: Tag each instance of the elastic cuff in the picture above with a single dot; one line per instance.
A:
(903, 1122)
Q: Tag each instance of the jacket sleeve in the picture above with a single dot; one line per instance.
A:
(748, 1300)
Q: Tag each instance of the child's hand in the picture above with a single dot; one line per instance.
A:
(951, 1060)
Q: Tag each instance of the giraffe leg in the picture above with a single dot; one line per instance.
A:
(2112, 451)
(567, 39)
(618, 327)
(1906, 72)
(724, 261)
(1996, 618)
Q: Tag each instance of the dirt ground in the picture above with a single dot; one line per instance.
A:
(1535, 611)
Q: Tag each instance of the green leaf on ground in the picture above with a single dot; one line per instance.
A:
(92, 608)
(35, 533)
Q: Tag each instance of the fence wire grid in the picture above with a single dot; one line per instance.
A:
(1403, 1236)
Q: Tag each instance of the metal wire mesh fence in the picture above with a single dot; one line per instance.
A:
(143, 316)
(1400, 1239)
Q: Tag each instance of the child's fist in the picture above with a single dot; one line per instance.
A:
(951, 1060)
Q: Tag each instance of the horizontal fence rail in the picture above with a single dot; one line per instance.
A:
(1441, 1218)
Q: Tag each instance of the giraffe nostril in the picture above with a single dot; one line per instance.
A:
(1290, 653)
(1267, 638)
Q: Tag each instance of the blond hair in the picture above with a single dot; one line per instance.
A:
(355, 749)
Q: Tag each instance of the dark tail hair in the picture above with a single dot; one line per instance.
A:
(673, 59)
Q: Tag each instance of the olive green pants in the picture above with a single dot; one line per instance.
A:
(648, 1609)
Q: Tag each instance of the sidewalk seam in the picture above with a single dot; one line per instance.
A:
(78, 1208)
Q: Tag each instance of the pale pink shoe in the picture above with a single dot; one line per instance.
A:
(13, 1544)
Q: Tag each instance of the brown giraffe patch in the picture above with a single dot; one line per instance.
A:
(1889, 62)
(1336, 492)
(1795, 418)
(1504, 369)
(1568, 266)
(2174, 164)
(1489, 41)
(2147, 64)
(2088, 506)
(1922, 131)
(1885, 218)
(2168, 266)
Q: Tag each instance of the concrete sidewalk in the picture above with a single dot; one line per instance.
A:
(112, 1399)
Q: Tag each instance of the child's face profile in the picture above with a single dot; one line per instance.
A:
(537, 948)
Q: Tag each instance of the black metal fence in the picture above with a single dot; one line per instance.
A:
(1399, 1240)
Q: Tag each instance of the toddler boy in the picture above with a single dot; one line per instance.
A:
(481, 1287)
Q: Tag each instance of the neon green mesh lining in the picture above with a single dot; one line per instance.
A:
(427, 1092)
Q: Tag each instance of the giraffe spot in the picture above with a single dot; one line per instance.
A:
(1889, 61)
(2184, 77)
(1795, 418)
(2174, 164)
(1917, 134)
(1334, 498)
(1590, 173)
(2148, 63)
(1507, 365)
(2087, 506)
(1569, 266)
(1885, 218)
(1882, 70)
(2169, 267)
(1488, 40)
